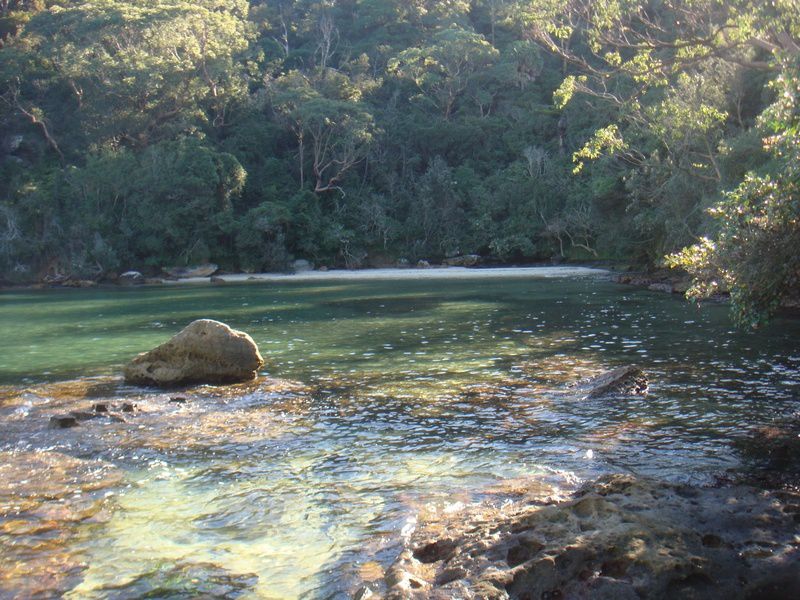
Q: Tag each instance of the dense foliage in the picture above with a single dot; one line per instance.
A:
(357, 132)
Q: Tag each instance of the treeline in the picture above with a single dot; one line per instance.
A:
(357, 132)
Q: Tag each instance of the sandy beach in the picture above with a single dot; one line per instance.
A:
(407, 274)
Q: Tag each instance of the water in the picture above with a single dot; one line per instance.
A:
(418, 394)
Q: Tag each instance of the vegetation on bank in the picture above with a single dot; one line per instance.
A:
(356, 132)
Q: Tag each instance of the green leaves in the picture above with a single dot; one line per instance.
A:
(754, 254)
(145, 71)
(335, 131)
(443, 69)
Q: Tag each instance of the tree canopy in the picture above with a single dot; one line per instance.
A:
(360, 132)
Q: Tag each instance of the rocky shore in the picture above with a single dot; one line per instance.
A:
(619, 537)
(615, 538)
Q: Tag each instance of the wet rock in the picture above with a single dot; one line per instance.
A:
(624, 381)
(63, 422)
(204, 270)
(435, 551)
(205, 351)
(184, 580)
(363, 593)
(100, 407)
(660, 281)
(423, 264)
(131, 278)
(178, 399)
(217, 280)
(219, 417)
(619, 537)
(82, 415)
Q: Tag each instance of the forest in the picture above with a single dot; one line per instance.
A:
(361, 133)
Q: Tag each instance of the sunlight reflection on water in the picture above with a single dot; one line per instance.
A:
(418, 393)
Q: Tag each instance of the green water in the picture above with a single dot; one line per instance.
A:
(422, 392)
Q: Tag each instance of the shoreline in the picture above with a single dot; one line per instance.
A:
(542, 272)
(377, 274)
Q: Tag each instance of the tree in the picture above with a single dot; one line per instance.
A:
(337, 130)
(443, 69)
(141, 72)
(754, 252)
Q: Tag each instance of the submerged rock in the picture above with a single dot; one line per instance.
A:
(617, 538)
(63, 421)
(205, 351)
(624, 381)
(187, 580)
(49, 505)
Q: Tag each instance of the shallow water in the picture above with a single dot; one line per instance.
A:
(417, 394)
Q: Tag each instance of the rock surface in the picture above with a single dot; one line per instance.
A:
(206, 270)
(624, 381)
(205, 351)
(467, 260)
(131, 278)
(302, 266)
(79, 283)
(617, 538)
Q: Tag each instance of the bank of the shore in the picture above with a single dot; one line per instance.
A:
(378, 274)
(404, 274)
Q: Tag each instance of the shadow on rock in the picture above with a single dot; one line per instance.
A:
(617, 538)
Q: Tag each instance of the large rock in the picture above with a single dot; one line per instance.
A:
(302, 266)
(131, 278)
(206, 270)
(205, 351)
